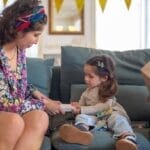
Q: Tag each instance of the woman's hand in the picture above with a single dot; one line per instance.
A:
(77, 106)
(52, 106)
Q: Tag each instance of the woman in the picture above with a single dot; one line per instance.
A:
(23, 121)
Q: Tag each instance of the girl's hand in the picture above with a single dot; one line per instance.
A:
(77, 106)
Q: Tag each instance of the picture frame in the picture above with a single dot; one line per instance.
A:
(67, 20)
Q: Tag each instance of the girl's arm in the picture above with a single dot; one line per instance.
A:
(77, 105)
(92, 110)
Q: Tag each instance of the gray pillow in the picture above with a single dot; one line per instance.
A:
(128, 65)
(131, 97)
(39, 73)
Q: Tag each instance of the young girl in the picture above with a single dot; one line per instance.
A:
(97, 107)
(23, 121)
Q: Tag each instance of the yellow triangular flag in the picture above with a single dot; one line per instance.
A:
(80, 5)
(58, 4)
(128, 3)
(102, 4)
(5, 1)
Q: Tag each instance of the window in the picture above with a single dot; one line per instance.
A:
(118, 28)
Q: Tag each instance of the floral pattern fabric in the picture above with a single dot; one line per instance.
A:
(15, 93)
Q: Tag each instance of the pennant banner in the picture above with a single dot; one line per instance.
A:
(102, 4)
(80, 5)
(4, 2)
(58, 4)
(128, 3)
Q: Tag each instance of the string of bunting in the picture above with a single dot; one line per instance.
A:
(58, 4)
(102, 4)
(128, 3)
(80, 4)
(4, 2)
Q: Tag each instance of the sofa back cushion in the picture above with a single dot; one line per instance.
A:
(55, 84)
(132, 97)
(39, 73)
(128, 65)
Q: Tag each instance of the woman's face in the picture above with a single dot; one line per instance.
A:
(26, 40)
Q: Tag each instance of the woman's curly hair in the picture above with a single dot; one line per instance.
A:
(10, 15)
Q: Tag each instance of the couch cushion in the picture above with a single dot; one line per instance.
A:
(128, 65)
(46, 145)
(133, 98)
(55, 85)
(39, 72)
(103, 140)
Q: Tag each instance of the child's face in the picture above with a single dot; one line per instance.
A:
(92, 79)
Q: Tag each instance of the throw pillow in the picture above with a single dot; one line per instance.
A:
(39, 73)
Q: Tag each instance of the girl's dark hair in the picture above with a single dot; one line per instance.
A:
(12, 13)
(104, 66)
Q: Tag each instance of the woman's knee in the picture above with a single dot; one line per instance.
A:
(41, 121)
(12, 121)
(37, 120)
(11, 125)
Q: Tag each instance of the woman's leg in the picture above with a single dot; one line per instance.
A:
(11, 128)
(36, 124)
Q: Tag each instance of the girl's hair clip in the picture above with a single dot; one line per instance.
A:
(100, 64)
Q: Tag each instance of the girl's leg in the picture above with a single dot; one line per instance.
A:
(119, 125)
(123, 132)
(36, 124)
(79, 133)
(73, 134)
(11, 128)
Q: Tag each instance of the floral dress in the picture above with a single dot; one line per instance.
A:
(15, 93)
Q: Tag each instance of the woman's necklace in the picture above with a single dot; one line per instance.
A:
(12, 57)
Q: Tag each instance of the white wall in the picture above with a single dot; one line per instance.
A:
(148, 24)
(119, 28)
(50, 44)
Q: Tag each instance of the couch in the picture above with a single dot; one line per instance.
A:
(66, 83)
